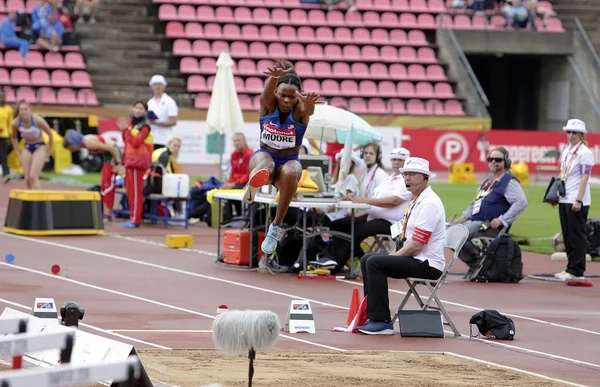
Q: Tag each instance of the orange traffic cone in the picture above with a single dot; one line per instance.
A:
(354, 304)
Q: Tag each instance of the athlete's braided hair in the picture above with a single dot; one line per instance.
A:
(290, 78)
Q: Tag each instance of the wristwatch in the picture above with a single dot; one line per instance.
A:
(580, 202)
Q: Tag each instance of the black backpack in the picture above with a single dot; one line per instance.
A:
(501, 262)
(153, 181)
(493, 325)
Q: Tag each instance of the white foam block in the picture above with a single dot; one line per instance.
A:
(300, 317)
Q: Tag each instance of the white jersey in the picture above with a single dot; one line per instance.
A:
(164, 108)
(576, 161)
(393, 185)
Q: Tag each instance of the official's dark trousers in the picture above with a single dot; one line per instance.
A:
(377, 268)
(572, 224)
(4, 143)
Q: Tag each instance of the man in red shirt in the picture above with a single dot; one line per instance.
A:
(240, 173)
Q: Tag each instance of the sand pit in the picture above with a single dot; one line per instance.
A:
(189, 368)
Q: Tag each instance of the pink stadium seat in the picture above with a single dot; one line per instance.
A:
(418, 6)
(497, 22)
(60, 78)
(397, 106)
(415, 107)
(322, 69)
(242, 15)
(276, 50)
(386, 89)
(47, 96)
(167, 12)
(280, 16)
(188, 13)
(72, 61)
(333, 52)
(424, 90)
(416, 72)
(330, 87)
(223, 15)
(20, 77)
(298, 17)
(246, 67)
(388, 54)
(369, 53)
(390, 20)
(254, 85)
(189, 65)
(316, 17)
(434, 107)
(196, 83)
(296, 51)
(426, 55)
(378, 71)
(200, 48)
(263, 64)
(443, 90)
(407, 54)
(364, 5)
(380, 36)
(336, 19)
(462, 22)
(27, 94)
(258, 50)
(202, 101)
(367, 88)
(212, 31)
(40, 77)
(554, 25)
(306, 34)
(372, 19)
(407, 21)
(269, 33)
(400, 5)
(218, 46)
(358, 106)
(314, 52)
(193, 30)
(210, 82)
(10, 95)
(377, 106)
(436, 6)
(361, 36)
(398, 37)
(417, 38)
(34, 59)
(245, 102)
(479, 22)
(287, 34)
(250, 32)
(239, 85)
(261, 16)
(182, 47)
(359, 70)
(349, 87)
(454, 108)
(405, 90)
(174, 29)
(15, 5)
(324, 35)
(231, 32)
(12, 58)
(304, 69)
(353, 19)
(341, 70)
(338, 102)
(436, 73)
(311, 85)
(398, 71)
(239, 50)
(381, 5)
(351, 52)
(4, 77)
(343, 35)
(426, 21)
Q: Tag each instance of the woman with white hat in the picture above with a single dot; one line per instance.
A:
(576, 165)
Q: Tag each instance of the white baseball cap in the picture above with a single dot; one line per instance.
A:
(400, 154)
(353, 155)
(575, 125)
(158, 79)
(416, 164)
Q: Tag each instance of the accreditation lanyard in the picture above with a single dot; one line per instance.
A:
(370, 181)
(409, 209)
(564, 172)
(486, 188)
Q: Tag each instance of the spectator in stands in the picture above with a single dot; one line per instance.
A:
(8, 35)
(163, 112)
(51, 34)
(421, 252)
(111, 157)
(576, 168)
(350, 7)
(65, 20)
(86, 8)
(516, 13)
(35, 153)
(500, 200)
(39, 15)
(137, 158)
(6, 118)
(240, 173)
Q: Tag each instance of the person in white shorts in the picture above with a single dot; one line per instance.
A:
(421, 252)
(166, 111)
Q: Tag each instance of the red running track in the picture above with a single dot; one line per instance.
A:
(135, 283)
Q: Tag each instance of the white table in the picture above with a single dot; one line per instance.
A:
(261, 198)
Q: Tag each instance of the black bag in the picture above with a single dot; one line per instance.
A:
(501, 262)
(592, 233)
(493, 325)
(153, 183)
(555, 190)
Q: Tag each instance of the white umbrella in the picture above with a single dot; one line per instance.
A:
(331, 124)
(224, 111)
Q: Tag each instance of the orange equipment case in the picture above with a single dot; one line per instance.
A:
(236, 246)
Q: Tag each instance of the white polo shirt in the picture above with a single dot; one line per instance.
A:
(393, 185)
(576, 161)
(371, 179)
(427, 225)
(164, 107)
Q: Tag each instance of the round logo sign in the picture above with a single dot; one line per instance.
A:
(451, 148)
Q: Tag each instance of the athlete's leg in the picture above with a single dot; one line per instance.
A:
(38, 159)
(262, 168)
(286, 182)
(26, 166)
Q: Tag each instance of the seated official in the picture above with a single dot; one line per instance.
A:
(388, 203)
(167, 157)
(240, 173)
(500, 200)
(421, 253)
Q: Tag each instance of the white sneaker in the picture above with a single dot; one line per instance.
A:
(563, 276)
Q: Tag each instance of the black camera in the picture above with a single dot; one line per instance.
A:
(71, 313)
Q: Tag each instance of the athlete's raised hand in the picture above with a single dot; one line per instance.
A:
(278, 69)
(309, 99)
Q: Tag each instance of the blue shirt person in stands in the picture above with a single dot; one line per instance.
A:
(500, 200)
(39, 16)
(9, 37)
(51, 33)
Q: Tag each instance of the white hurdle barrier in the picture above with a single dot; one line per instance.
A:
(13, 324)
(70, 375)
(22, 343)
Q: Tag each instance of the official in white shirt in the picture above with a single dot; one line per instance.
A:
(166, 110)
(576, 165)
(423, 233)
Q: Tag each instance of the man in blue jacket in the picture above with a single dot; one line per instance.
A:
(8, 35)
(500, 200)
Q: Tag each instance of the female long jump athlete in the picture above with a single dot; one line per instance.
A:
(111, 157)
(284, 115)
(35, 153)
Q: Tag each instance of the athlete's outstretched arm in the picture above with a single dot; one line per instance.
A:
(306, 105)
(267, 98)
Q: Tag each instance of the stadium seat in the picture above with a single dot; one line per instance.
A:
(20, 77)
(377, 106)
(73, 61)
(87, 98)
(201, 101)
(189, 65)
(40, 77)
(47, 96)
(27, 94)
(81, 79)
(60, 78)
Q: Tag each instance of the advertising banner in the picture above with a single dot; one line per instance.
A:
(446, 147)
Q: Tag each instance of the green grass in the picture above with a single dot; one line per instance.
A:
(534, 228)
